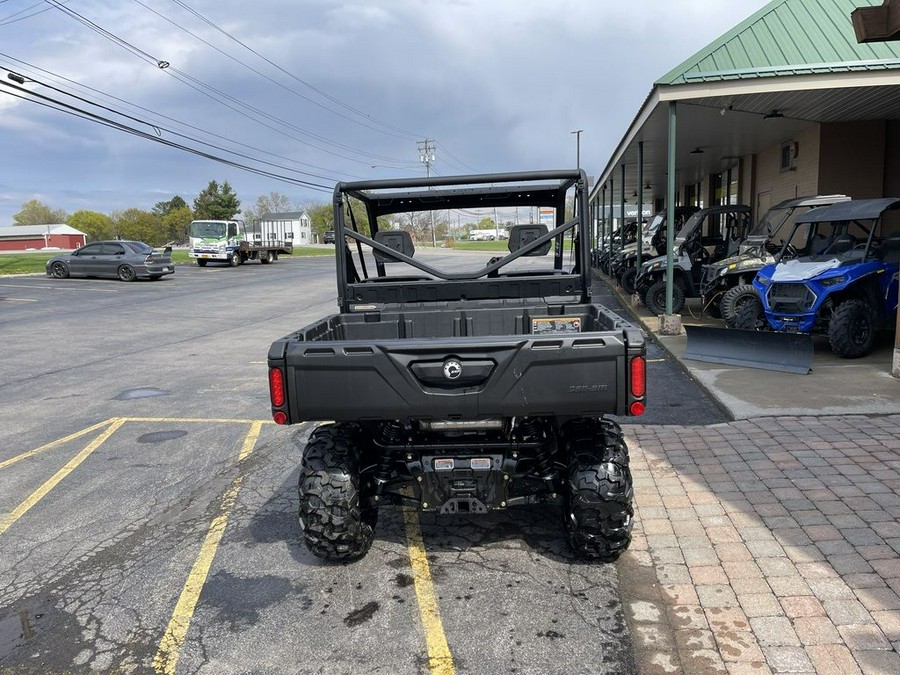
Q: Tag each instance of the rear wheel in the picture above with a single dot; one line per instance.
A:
(201, 263)
(58, 270)
(265, 257)
(335, 521)
(626, 281)
(655, 299)
(597, 511)
(126, 273)
(735, 298)
(851, 331)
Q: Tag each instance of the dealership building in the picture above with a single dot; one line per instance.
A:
(787, 103)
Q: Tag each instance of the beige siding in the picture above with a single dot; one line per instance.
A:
(774, 185)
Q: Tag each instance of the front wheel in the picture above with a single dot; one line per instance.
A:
(58, 270)
(655, 299)
(235, 259)
(126, 273)
(597, 508)
(734, 299)
(626, 281)
(851, 331)
(201, 263)
(335, 520)
(751, 316)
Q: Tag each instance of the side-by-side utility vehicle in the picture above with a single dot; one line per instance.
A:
(459, 384)
(837, 276)
(726, 285)
(709, 235)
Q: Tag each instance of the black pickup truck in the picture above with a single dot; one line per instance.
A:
(458, 382)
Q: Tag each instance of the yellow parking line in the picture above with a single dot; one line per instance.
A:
(169, 650)
(73, 464)
(54, 444)
(440, 661)
(190, 420)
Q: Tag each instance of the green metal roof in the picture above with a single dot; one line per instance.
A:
(788, 37)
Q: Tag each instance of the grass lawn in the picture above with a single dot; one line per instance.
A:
(35, 262)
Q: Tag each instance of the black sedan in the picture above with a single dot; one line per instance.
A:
(123, 260)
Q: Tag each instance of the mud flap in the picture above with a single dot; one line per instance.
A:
(769, 350)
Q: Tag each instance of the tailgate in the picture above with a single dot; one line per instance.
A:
(584, 374)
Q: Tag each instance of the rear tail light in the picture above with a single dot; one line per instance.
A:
(276, 387)
(638, 376)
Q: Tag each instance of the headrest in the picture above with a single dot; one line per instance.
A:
(522, 235)
(399, 240)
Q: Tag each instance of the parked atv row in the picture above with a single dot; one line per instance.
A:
(812, 265)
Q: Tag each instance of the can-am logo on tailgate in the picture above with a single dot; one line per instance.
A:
(452, 370)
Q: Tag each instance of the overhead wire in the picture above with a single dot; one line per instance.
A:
(220, 96)
(129, 104)
(324, 94)
(46, 101)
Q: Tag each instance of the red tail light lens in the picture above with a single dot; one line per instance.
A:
(637, 408)
(638, 376)
(276, 386)
(280, 417)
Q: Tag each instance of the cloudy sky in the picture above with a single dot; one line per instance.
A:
(317, 91)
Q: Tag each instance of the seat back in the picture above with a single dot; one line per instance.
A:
(890, 250)
(399, 240)
(522, 235)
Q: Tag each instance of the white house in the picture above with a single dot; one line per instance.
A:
(296, 222)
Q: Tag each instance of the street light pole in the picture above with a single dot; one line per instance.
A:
(426, 155)
(577, 133)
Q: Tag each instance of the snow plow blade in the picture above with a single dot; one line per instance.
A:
(769, 350)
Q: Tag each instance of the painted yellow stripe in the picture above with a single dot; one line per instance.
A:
(54, 444)
(440, 661)
(176, 632)
(190, 420)
(73, 464)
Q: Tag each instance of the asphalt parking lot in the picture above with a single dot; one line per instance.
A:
(148, 507)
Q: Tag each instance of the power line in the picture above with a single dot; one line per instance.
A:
(322, 93)
(61, 106)
(220, 96)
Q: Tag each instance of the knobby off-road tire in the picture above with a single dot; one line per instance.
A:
(851, 331)
(597, 506)
(735, 298)
(335, 522)
(655, 298)
(626, 281)
(751, 317)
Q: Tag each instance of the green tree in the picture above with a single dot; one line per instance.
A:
(164, 208)
(95, 225)
(274, 202)
(321, 215)
(216, 202)
(177, 223)
(141, 225)
(35, 212)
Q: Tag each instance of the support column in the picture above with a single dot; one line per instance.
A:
(670, 324)
(622, 209)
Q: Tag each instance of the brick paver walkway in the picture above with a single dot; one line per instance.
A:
(766, 545)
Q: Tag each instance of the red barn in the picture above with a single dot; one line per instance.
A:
(37, 237)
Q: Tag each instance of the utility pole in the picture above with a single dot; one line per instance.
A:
(426, 156)
(577, 133)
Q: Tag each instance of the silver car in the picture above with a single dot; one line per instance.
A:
(123, 260)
